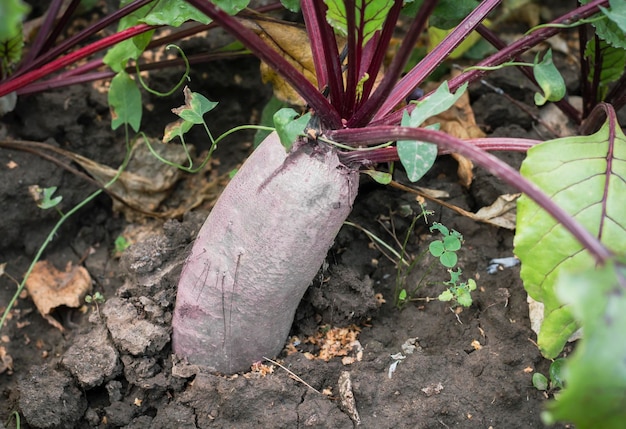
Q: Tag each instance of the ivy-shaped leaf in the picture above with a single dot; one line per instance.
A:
(287, 127)
(195, 107)
(586, 176)
(549, 80)
(191, 113)
(374, 13)
(124, 102)
(593, 397)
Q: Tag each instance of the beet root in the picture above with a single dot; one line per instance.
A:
(257, 253)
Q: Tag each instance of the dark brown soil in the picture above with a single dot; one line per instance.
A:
(112, 367)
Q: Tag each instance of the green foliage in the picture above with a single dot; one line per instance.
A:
(267, 118)
(613, 30)
(594, 395)
(124, 102)
(291, 5)
(445, 249)
(556, 381)
(13, 13)
(10, 52)
(461, 292)
(95, 298)
(584, 175)
(47, 201)
(617, 13)
(418, 157)
(191, 113)
(231, 7)
(613, 62)
(381, 177)
(121, 244)
(549, 79)
(289, 128)
(448, 13)
(374, 13)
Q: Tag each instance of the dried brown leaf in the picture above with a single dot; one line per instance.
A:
(50, 288)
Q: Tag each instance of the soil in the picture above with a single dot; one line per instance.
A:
(112, 367)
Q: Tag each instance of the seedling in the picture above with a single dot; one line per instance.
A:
(555, 382)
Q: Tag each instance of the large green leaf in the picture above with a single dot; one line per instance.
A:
(12, 13)
(595, 375)
(586, 176)
(374, 13)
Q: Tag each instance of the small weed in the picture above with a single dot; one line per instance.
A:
(95, 299)
(555, 383)
(445, 252)
(121, 244)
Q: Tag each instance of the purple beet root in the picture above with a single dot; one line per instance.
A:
(257, 253)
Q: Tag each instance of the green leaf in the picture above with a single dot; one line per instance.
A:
(556, 373)
(437, 102)
(416, 157)
(381, 177)
(272, 106)
(436, 35)
(402, 295)
(549, 80)
(195, 107)
(463, 297)
(291, 5)
(47, 202)
(175, 13)
(609, 30)
(11, 50)
(445, 296)
(448, 259)
(471, 284)
(594, 396)
(231, 7)
(612, 64)
(452, 243)
(374, 13)
(449, 13)
(617, 13)
(124, 102)
(117, 57)
(13, 13)
(436, 248)
(586, 176)
(436, 226)
(289, 128)
(540, 381)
